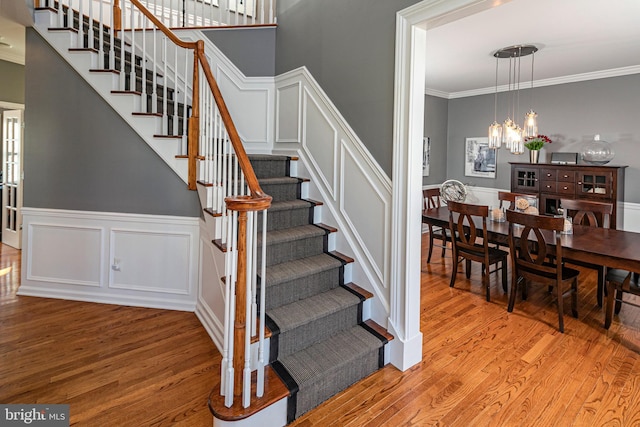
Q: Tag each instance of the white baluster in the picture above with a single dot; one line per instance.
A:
(112, 50)
(184, 101)
(80, 42)
(101, 38)
(174, 130)
(143, 95)
(90, 35)
(70, 14)
(164, 82)
(263, 287)
(236, 11)
(246, 383)
(229, 317)
(122, 53)
(60, 15)
(132, 73)
(271, 19)
(154, 79)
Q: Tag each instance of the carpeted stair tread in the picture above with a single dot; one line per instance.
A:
(331, 365)
(287, 244)
(307, 310)
(266, 157)
(278, 180)
(289, 204)
(330, 354)
(296, 269)
(292, 234)
(266, 166)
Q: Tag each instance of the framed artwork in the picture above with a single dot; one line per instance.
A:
(426, 148)
(479, 159)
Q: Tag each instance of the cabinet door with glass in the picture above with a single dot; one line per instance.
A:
(525, 179)
(594, 184)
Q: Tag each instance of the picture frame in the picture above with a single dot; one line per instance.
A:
(426, 151)
(479, 160)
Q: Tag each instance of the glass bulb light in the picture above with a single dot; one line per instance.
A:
(506, 127)
(517, 143)
(530, 124)
(495, 135)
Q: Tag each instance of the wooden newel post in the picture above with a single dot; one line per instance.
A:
(240, 326)
(194, 120)
(117, 15)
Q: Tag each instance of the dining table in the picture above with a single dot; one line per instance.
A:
(598, 246)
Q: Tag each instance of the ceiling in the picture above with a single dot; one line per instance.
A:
(578, 40)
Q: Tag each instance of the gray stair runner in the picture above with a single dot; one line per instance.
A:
(319, 346)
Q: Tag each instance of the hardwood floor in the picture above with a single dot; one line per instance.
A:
(482, 366)
(114, 365)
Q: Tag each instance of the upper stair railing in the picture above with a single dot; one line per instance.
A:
(212, 13)
(169, 75)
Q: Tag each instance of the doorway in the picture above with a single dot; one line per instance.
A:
(11, 183)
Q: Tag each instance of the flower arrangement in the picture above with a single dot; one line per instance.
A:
(536, 142)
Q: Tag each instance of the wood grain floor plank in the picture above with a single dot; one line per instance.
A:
(481, 365)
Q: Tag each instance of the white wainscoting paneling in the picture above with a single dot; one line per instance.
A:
(631, 216)
(65, 254)
(211, 290)
(369, 207)
(320, 140)
(248, 106)
(133, 252)
(127, 259)
(288, 106)
(355, 190)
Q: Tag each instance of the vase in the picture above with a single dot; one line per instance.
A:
(533, 156)
(597, 152)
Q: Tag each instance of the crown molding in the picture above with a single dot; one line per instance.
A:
(614, 72)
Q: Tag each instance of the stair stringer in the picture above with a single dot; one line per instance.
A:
(103, 83)
(354, 189)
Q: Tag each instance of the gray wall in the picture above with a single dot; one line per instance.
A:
(11, 82)
(570, 114)
(348, 46)
(435, 127)
(79, 154)
(252, 50)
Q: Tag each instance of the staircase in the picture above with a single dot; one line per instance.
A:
(320, 342)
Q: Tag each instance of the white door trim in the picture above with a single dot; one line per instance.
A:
(12, 136)
(408, 122)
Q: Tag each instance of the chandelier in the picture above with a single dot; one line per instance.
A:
(509, 132)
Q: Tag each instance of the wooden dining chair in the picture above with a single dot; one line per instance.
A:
(530, 248)
(431, 200)
(593, 214)
(505, 196)
(619, 282)
(462, 225)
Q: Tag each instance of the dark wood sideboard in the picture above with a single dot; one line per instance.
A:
(552, 182)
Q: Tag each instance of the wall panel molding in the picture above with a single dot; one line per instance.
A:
(355, 190)
(115, 258)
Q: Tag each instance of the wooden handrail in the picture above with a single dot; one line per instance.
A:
(199, 56)
(166, 31)
(256, 201)
(243, 159)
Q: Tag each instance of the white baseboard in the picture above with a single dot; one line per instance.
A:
(113, 258)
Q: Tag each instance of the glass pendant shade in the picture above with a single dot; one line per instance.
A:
(506, 132)
(530, 124)
(495, 135)
(517, 143)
